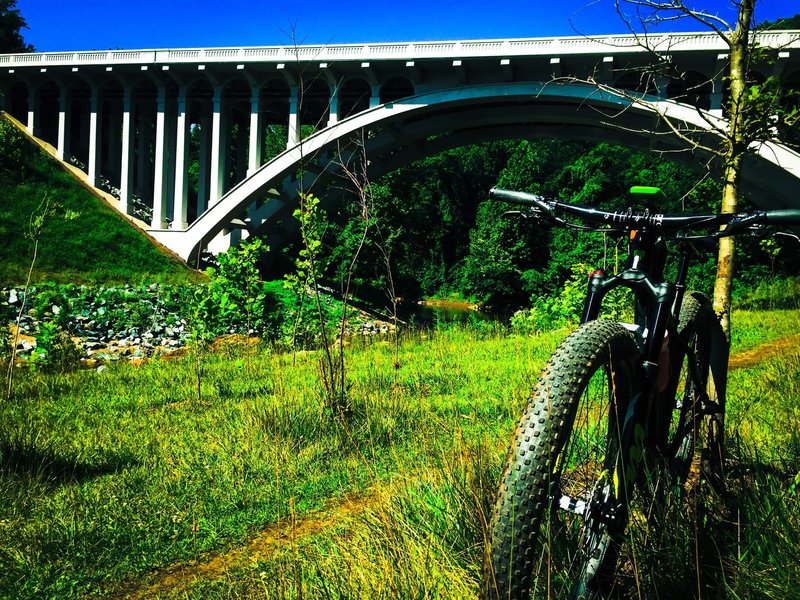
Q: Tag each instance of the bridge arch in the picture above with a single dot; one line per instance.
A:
(413, 127)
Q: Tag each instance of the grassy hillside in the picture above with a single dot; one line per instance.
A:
(99, 246)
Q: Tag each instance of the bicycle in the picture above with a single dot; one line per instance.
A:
(621, 412)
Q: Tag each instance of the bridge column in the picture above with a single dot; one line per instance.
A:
(333, 113)
(180, 201)
(160, 182)
(294, 119)
(256, 132)
(95, 136)
(127, 152)
(375, 97)
(64, 116)
(217, 180)
(33, 108)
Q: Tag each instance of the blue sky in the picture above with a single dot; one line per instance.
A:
(65, 25)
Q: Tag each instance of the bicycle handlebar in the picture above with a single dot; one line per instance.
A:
(630, 219)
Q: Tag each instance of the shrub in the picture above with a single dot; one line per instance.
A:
(55, 350)
(564, 309)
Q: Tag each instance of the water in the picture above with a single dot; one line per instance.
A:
(440, 311)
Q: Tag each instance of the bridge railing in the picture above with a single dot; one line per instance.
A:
(552, 46)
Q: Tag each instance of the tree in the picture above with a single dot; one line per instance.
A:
(756, 112)
(11, 25)
(786, 23)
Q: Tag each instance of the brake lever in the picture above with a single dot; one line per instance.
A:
(763, 232)
(786, 234)
(534, 214)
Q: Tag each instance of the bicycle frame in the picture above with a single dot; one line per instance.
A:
(657, 308)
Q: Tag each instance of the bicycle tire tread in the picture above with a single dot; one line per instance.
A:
(540, 433)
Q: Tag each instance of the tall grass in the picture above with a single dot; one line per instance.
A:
(259, 492)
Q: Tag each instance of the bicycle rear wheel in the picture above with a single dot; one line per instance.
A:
(560, 509)
(698, 393)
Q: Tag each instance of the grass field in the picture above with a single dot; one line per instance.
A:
(131, 483)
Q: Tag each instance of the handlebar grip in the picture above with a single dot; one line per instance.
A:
(515, 197)
(783, 216)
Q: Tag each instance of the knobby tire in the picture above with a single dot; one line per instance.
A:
(565, 451)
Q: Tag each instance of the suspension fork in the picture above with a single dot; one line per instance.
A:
(640, 424)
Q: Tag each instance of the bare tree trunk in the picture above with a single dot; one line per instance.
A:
(725, 265)
(736, 146)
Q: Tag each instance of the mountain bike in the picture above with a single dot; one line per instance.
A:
(624, 413)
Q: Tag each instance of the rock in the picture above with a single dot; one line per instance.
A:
(25, 345)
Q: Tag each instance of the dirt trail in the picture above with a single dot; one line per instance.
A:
(750, 358)
(179, 578)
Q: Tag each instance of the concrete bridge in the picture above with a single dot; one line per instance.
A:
(136, 120)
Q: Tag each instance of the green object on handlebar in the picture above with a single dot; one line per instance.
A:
(648, 194)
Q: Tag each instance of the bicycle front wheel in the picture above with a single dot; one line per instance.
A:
(560, 509)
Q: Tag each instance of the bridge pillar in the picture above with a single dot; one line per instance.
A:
(294, 119)
(180, 199)
(127, 151)
(375, 97)
(62, 145)
(160, 182)
(217, 180)
(333, 112)
(95, 136)
(33, 108)
(256, 131)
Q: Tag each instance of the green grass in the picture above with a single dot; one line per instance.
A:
(99, 246)
(105, 477)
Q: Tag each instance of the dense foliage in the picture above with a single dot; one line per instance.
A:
(446, 239)
(11, 25)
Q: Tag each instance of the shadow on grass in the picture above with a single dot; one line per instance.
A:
(24, 460)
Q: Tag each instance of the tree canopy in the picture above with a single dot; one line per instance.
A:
(785, 23)
(11, 25)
